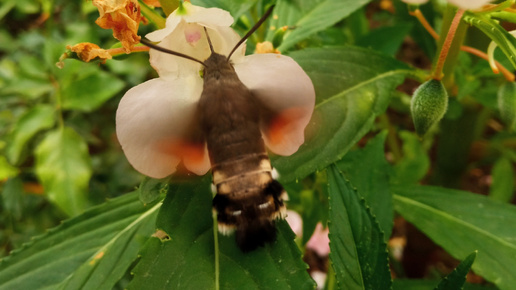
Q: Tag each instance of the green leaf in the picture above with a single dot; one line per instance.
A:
(6, 169)
(497, 33)
(63, 166)
(461, 223)
(89, 92)
(409, 284)
(415, 162)
(95, 248)
(353, 86)
(358, 251)
(151, 189)
(12, 197)
(38, 118)
(457, 278)
(236, 7)
(369, 172)
(187, 258)
(309, 16)
(386, 39)
(502, 188)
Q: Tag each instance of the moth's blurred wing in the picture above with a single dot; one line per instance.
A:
(155, 124)
(286, 94)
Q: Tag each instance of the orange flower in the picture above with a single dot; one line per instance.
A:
(87, 51)
(123, 16)
(153, 3)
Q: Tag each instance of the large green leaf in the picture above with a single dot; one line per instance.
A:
(406, 284)
(415, 162)
(358, 251)
(461, 223)
(87, 93)
(187, 259)
(90, 251)
(31, 122)
(235, 7)
(502, 188)
(63, 166)
(457, 278)
(353, 86)
(309, 16)
(369, 172)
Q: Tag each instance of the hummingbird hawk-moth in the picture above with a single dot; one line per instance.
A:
(229, 119)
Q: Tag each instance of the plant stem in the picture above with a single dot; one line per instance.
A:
(216, 246)
(421, 18)
(438, 71)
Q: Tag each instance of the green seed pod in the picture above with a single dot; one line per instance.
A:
(428, 105)
(507, 104)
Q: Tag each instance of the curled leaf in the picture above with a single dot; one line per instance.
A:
(89, 51)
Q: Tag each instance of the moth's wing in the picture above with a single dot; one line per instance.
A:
(156, 126)
(286, 95)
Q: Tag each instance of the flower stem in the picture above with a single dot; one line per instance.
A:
(438, 71)
(421, 18)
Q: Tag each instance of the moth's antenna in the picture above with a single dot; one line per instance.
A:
(256, 26)
(165, 50)
(209, 40)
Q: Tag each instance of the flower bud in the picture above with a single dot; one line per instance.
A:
(428, 105)
(507, 104)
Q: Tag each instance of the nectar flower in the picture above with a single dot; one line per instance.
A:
(88, 51)
(463, 4)
(123, 16)
(156, 120)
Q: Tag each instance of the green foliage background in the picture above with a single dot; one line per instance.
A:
(361, 167)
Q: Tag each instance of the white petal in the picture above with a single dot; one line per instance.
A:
(416, 2)
(170, 26)
(209, 17)
(469, 4)
(171, 66)
(152, 120)
(281, 85)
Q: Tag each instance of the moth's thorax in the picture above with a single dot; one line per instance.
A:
(218, 68)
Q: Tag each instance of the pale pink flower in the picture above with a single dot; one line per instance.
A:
(153, 118)
(320, 242)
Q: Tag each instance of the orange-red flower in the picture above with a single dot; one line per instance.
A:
(88, 51)
(123, 16)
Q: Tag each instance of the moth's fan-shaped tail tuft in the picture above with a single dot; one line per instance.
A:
(252, 215)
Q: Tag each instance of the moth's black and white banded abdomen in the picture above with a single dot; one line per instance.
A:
(246, 104)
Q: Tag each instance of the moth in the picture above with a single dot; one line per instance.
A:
(229, 119)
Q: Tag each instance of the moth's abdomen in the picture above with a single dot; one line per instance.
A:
(248, 200)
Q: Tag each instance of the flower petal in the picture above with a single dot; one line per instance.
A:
(286, 90)
(415, 2)
(209, 17)
(171, 66)
(153, 122)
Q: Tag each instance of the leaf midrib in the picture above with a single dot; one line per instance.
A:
(452, 218)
